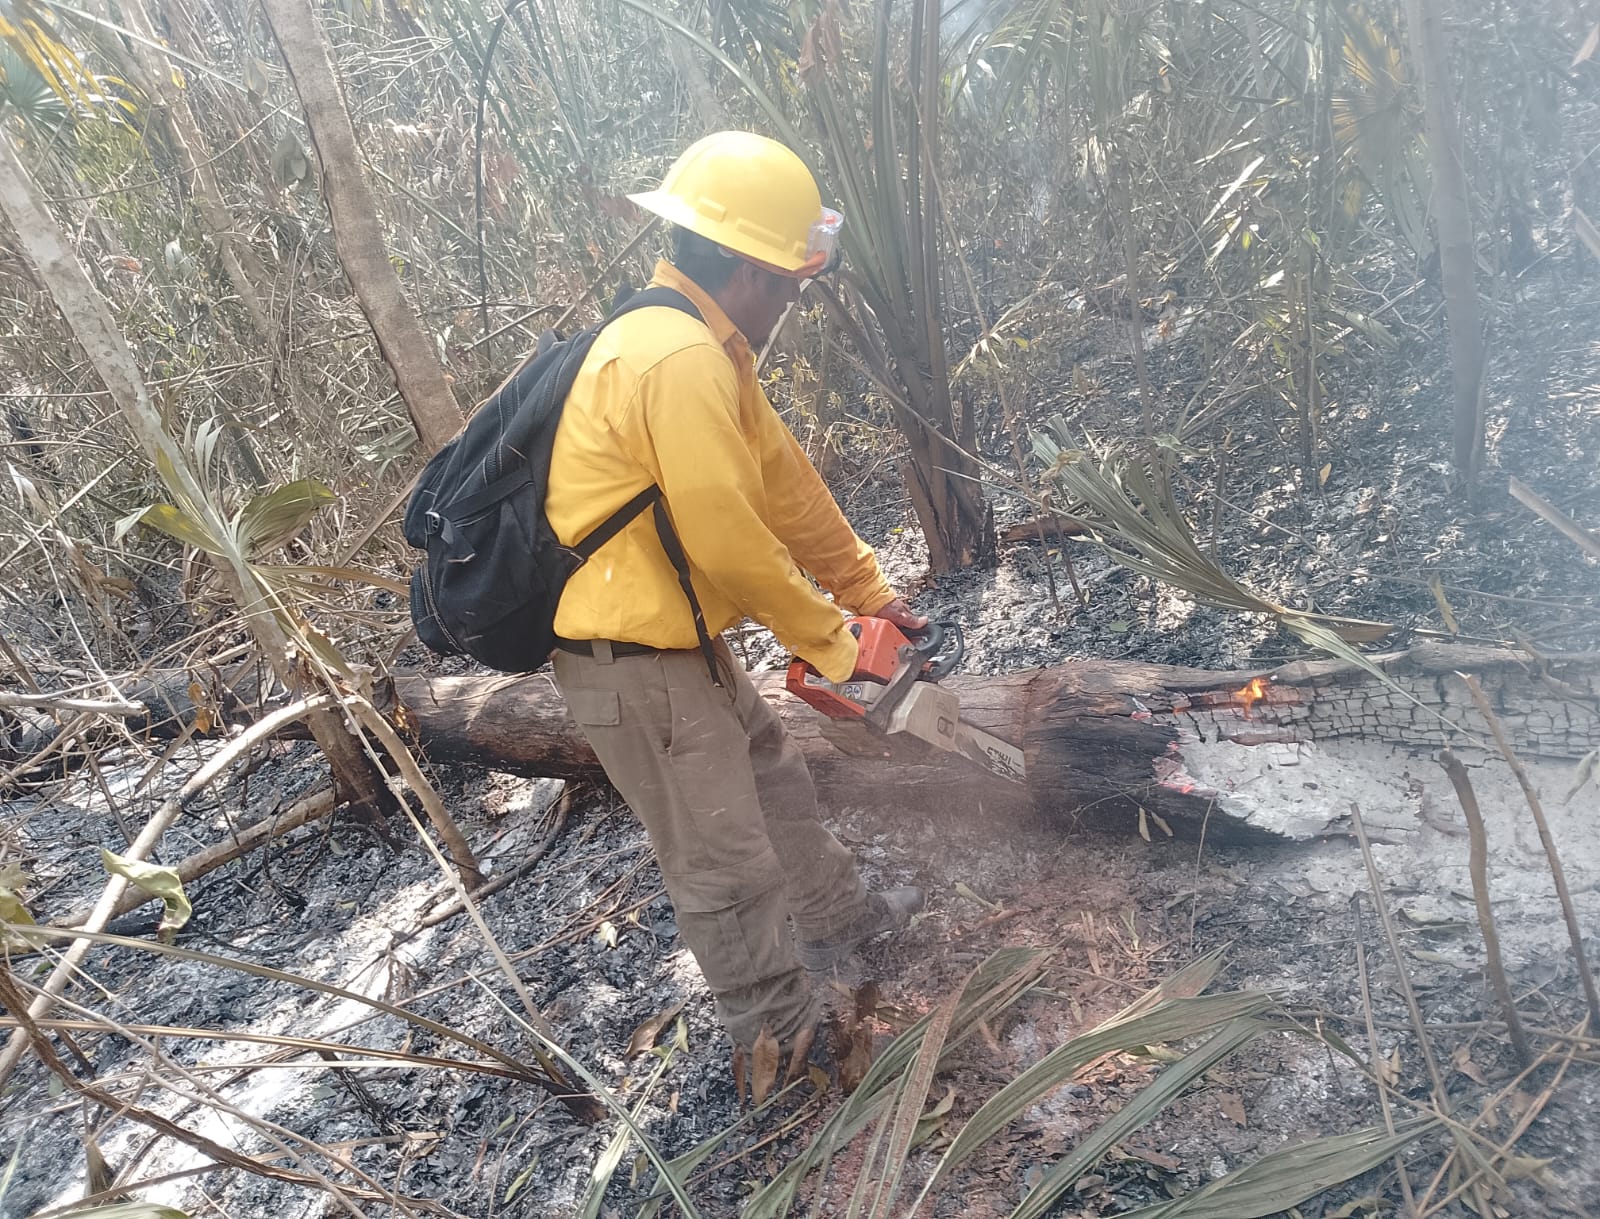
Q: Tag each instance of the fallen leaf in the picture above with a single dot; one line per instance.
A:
(1520, 1103)
(257, 76)
(1162, 822)
(1232, 1106)
(1435, 958)
(1419, 917)
(290, 165)
(1461, 1060)
(933, 1120)
(963, 890)
(1389, 1068)
(1585, 772)
(857, 1059)
(763, 1066)
(1367, 1204)
(1150, 1156)
(202, 709)
(1144, 826)
(12, 910)
(644, 1037)
(1322, 474)
(1516, 1168)
(1446, 612)
(607, 931)
(157, 882)
(739, 1074)
(520, 1180)
(1586, 52)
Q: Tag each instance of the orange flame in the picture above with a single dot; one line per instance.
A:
(1251, 694)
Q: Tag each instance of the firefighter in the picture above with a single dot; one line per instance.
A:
(669, 399)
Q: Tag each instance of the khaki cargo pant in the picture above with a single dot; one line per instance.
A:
(732, 814)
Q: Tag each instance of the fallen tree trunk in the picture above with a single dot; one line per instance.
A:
(1228, 754)
(1278, 752)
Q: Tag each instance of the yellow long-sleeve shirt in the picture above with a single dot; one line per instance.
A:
(664, 399)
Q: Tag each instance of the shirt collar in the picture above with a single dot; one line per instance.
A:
(724, 331)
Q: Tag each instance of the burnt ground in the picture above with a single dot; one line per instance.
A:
(594, 940)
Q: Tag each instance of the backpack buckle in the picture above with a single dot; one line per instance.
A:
(435, 522)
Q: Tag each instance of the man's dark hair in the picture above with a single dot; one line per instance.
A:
(702, 259)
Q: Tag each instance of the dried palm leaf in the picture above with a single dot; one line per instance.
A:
(1132, 514)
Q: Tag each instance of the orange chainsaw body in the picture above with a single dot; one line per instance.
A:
(881, 648)
(895, 692)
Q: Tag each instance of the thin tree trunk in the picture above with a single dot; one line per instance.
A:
(962, 520)
(708, 111)
(406, 346)
(1130, 262)
(1452, 212)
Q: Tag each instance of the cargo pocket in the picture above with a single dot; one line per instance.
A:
(594, 708)
(740, 938)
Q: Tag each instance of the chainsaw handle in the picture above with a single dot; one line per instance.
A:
(943, 644)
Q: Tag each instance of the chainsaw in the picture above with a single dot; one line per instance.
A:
(895, 692)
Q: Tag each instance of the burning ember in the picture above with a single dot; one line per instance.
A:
(1251, 694)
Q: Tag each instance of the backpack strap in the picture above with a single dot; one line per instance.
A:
(680, 564)
(650, 497)
(656, 296)
(616, 522)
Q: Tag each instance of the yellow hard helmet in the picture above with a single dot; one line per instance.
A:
(752, 196)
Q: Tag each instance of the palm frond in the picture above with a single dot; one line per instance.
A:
(26, 92)
(1132, 513)
(1287, 1177)
(30, 32)
(997, 984)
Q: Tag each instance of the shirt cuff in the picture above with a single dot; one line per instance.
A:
(836, 662)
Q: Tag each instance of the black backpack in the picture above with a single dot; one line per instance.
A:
(494, 571)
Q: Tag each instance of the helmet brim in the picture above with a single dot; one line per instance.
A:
(675, 211)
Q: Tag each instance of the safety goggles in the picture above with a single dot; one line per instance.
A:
(822, 244)
(823, 251)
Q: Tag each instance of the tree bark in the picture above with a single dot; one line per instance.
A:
(1107, 739)
(1452, 212)
(708, 111)
(1199, 749)
(406, 346)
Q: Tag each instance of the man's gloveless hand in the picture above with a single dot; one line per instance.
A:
(899, 613)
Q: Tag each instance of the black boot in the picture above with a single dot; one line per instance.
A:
(887, 911)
